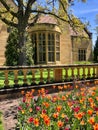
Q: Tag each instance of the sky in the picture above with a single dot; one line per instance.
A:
(87, 12)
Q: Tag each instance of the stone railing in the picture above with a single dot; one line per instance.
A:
(32, 75)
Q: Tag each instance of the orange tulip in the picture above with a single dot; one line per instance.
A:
(97, 98)
(90, 100)
(82, 122)
(93, 93)
(60, 87)
(47, 121)
(63, 98)
(95, 126)
(91, 120)
(36, 121)
(58, 108)
(60, 123)
(32, 90)
(65, 86)
(55, 115)
(43, 115)
(79, 115)
(90, 112)
(46, 104)
(42, 90)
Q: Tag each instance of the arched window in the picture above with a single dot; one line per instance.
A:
(47, 47)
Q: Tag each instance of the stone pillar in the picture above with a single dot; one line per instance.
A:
(58, 74)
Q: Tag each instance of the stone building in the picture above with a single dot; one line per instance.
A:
(55, 42)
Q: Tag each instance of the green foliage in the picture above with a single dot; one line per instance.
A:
(29, 49)
(83, 62)
(96, 51)
(1, 123)
(12, 50)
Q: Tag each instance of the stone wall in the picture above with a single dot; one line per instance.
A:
(65, 46)
(81, 43)
(3, 39)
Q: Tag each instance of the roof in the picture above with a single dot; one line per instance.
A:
(46, 19)
(80, 32)
(52, 20)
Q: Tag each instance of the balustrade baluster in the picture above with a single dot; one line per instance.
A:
(33, 77)
(48, 78)
(94, 72)
(41, 76)
(89, 75)
(78, 72)
(6, 81)
(72, 70)
(66, 76)
(25, 77)
(16, 78)
(83, 75)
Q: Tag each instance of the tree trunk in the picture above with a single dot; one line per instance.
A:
(22, 52)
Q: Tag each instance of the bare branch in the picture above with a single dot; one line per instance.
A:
(35, 18)
(50, 13)
(28, 8)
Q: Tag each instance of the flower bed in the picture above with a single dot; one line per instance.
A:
(70, 110)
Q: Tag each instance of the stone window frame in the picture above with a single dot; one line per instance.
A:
(54, 57)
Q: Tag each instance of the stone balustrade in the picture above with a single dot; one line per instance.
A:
(32, 75)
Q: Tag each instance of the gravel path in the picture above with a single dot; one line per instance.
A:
(9, 110)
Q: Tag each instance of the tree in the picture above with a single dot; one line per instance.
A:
(19, 14)
(12, 50)
(96, 24)
(29, 49)
(96, 51)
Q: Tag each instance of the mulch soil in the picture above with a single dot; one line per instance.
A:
(8, 108)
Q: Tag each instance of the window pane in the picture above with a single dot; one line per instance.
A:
(57, 43)
(81, 55)
(51, 47)
(58, 56)
(50, 56)
(57, 47)
(42, 47)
